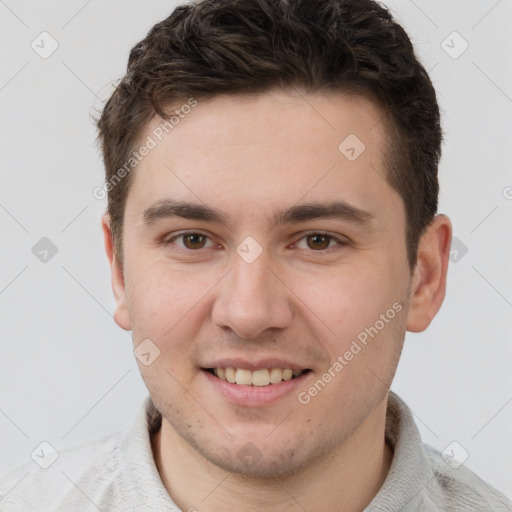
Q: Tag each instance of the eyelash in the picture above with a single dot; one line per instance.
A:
(339, 241)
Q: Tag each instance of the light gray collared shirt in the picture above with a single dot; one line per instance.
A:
(117, 473)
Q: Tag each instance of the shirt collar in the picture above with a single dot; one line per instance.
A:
(410, 470)
(408, 476)
(140, 474)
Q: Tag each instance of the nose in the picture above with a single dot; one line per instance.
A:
(252, 299)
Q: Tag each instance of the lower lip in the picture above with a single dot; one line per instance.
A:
(255, 396)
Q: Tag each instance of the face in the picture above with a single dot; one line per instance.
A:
(253, 241)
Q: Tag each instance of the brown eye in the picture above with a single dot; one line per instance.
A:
(194, 240)
(188, 242)
(318, 241)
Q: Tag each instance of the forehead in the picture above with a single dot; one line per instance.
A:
(259, 150)
(274, 117)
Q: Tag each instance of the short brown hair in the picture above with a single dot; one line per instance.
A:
(213, 47)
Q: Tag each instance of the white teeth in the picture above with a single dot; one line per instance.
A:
(262, 377)
(287, 374)
(230, 375)
(276, 375)
(243, 377)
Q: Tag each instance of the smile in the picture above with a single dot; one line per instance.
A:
(260, 377)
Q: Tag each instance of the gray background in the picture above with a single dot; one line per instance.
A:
(67, 372)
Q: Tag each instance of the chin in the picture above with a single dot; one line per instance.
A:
(251, 462)
(262, 456)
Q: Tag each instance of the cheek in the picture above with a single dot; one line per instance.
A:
(164, 309)
(162, 299)
(361, 323)
(346, 299)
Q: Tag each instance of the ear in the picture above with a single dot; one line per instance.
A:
(428, 284)
(121, 314)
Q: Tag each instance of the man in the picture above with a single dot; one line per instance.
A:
(271, 169)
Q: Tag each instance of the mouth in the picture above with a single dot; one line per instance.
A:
(258, 378)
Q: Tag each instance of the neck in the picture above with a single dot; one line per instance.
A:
(351, 474)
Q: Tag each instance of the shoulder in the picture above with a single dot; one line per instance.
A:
(53, 480)
(421, 479)
(456, 488)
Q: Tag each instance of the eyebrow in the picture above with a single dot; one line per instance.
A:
(342, 210)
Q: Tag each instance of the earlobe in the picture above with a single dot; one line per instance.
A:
(428, 284)
(121, 313)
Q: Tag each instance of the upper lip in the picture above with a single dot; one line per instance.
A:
(237, 362)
